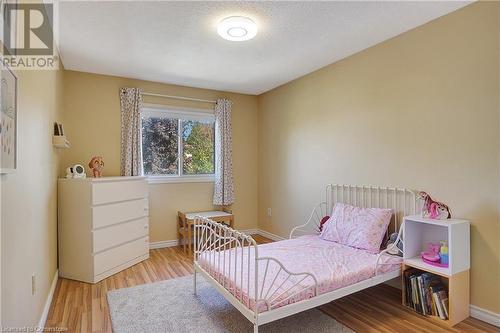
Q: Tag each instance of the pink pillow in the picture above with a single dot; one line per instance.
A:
(362, 228)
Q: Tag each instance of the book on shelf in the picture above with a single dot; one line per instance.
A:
(409, 299)
(425, 293)
(433, 304)
(439, 306)
(444, 302)
(423, 301)
(429, 281)
(415, 297)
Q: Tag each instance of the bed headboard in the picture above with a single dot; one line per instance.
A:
(402, 201)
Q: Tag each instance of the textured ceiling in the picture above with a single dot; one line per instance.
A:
(177, 42)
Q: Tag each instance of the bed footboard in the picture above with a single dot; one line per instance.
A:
(231, 259)
(222, 253)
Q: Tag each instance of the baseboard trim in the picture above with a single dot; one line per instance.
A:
(175, 242)
(269, 235)
(487, 316)
(48, 302)
(250, 231)
(162, 244)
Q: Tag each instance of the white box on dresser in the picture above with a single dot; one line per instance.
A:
(103, 226)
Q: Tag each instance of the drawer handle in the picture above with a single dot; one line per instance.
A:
(145, 227)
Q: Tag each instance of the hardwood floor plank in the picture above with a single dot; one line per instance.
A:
(83, 307)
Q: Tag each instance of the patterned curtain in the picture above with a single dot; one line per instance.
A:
(130, 103)
(223, 189)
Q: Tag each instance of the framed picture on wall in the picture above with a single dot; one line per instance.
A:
(8, 121)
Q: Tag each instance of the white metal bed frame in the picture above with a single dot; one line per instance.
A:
(213, 240)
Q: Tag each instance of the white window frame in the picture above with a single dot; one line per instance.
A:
(154, 110)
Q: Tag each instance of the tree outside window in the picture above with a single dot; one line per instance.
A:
(170, 141)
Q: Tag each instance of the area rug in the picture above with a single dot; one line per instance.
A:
(171, 306)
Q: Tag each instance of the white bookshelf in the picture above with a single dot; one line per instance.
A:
(417, 233)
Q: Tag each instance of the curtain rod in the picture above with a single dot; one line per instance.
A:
(180, 97)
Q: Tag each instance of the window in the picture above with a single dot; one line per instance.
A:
(177, 145)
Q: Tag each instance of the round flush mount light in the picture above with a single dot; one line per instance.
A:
(237, 28)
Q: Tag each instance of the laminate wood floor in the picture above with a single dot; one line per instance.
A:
(82, 307)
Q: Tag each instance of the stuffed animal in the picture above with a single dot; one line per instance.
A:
(96, 164)
(433, 209)
(322, 222)
(392, 247)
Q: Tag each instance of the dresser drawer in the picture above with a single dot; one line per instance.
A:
(107, 192)
(109, 259)
(119, 233)
(105, 215)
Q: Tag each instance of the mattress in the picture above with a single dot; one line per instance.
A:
(312, 260)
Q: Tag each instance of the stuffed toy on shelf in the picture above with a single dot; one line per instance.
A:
(96, 164)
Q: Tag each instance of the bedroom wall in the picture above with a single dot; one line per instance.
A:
(28, 201)
(498, 147)
(92, 124)
(419, 111)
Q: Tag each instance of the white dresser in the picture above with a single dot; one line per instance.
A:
(103, 226)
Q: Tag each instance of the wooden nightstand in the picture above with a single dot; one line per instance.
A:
(418, 232)
(185, 222)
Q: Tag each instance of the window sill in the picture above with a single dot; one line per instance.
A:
(181, 179)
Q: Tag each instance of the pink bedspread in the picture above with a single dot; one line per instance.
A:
(330, 264)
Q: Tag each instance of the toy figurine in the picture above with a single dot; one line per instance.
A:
(436, 254)
(96, 164)
(433, 209)
(432, 253)
(443, 253)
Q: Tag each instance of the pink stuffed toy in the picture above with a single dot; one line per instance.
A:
(96, 164)
(322, 222)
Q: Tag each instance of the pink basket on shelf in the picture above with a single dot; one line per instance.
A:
(434, 263)
(431, 256)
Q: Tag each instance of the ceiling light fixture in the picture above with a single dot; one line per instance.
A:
(237, 28)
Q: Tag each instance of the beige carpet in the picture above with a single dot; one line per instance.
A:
(170, 306)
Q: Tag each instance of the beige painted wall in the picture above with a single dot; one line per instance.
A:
(92, 124)
(498, 148)
(420, 111)
(28, 201)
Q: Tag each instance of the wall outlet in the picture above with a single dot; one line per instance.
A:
(33, 284)
(269, 212)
